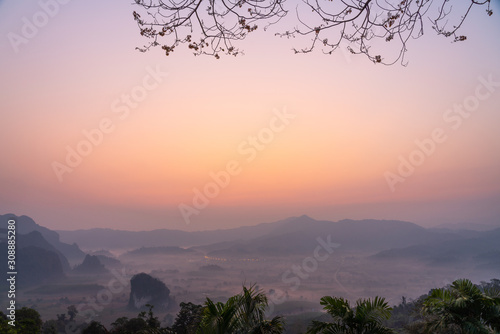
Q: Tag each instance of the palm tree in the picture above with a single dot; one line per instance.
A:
(464, 306)
(241, 314)
(274, 326)
(95, 327)
(219, 318)
(251, 313)
(365, 318)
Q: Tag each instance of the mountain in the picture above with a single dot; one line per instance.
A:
(470, 226)
(103, 252)
(109, 262)
(35, 239)
(145, 289)
(289, 236)
(25, 225)
(38, 266)
(483, 249)
(297, 235)
(37, 260)
(91, 265)
(301, 235)
(98, 238)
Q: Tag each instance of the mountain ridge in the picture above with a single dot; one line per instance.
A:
(303, 229)
(26, 225)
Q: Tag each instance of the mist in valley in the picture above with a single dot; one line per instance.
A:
(295, 262)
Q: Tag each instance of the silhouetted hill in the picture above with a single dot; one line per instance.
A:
(25, 225)
(471, 226)
(297, 235)
(35, 239)
(294, 235)
(482, 249)
(300, 235)
(145, 289)
(37, 261)
(109, 262)
(34, 265)
(103, 252)
(98, 238)
(90, 266)
(37, 265)
(117, 239)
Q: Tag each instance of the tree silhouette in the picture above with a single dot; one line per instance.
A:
(365, 318)
(187, 319)
(464, 306)
(72, 312)
(241, 314)
(214, 26)
(95, 327)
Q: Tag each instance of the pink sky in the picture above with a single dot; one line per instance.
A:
(350, 122)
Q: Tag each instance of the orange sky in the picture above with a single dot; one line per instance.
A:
(350, 122)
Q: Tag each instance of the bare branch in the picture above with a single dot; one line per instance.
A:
(213, 26)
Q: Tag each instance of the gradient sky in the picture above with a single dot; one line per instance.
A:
(353, 120)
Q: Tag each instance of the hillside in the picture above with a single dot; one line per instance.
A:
(483, 249)
(35, 239)
(98, 238)
(37, 261)
(25, 225)
(289, 236)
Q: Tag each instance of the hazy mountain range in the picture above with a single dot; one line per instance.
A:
(380, 239)
(289, 236)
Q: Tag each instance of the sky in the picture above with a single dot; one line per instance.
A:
(97, 134)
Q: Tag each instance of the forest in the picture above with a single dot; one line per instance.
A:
(459, 308)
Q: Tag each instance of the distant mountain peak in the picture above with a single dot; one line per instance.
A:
(303, 218)
(90, 265)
